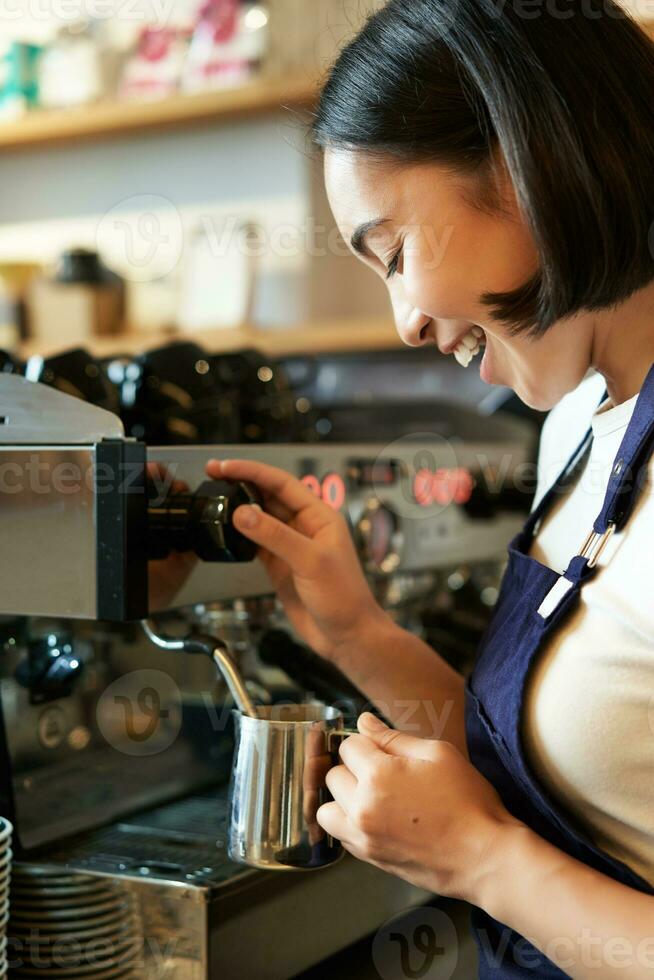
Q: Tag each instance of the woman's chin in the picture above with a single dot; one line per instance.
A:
(536, 398)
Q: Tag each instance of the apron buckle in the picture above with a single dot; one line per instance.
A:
(595, 544)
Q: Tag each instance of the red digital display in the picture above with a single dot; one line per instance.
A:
(313, 483)
(445, 486)
(464, 484)
(422, 488)
(441, 488)
(333, 491)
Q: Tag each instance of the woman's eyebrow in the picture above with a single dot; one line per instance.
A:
(358, 240)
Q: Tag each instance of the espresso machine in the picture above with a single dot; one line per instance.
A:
(117, 749)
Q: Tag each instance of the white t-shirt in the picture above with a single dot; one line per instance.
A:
(588, 722)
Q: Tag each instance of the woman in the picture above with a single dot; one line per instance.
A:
(494, 164)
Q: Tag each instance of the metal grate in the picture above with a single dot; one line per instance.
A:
(180, 841)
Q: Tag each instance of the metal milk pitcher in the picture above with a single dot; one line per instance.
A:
(281, 760)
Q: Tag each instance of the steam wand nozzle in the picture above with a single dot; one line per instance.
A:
(211, 647)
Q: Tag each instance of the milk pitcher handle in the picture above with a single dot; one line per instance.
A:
(340, 733)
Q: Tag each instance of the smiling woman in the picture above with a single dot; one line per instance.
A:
(492, 162)
(549, 93)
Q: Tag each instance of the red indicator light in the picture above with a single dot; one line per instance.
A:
(313, 483)
(442, 487)
(463, 486)
(333, 491)
(422, 488)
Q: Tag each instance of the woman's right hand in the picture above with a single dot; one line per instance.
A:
(309, 554)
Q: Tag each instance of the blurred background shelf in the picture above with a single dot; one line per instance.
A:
(164, 191)
(114, 119)
(349, 335)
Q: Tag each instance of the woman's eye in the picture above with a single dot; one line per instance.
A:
(392, 266)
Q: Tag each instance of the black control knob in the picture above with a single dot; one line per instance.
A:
(202, 522)
(51, 668)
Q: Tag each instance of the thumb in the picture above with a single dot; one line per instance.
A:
(393, 742)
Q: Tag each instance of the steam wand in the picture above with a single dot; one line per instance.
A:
(215, 649)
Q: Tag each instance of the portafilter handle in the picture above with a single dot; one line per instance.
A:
(214, 648)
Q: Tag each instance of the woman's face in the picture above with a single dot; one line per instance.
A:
(416, 226)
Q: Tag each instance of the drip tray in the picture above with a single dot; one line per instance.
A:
(183, 841)
(201, 916)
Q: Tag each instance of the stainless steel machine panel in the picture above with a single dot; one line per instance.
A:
(367, 482)
(47, 523)
(78, 522)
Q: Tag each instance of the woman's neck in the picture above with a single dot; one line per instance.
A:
(623, 344)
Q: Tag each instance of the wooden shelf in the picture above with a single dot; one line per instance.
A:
(117, 119)
(349, 335)
(121, 119)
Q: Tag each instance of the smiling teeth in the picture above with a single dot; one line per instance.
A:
(469, 346)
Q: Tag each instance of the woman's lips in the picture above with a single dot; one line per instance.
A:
(486, 366)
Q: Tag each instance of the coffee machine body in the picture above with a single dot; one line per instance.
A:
(117, 753)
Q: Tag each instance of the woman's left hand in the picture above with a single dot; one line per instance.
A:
(416, 808)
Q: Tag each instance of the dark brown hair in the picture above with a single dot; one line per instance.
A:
(561, 88)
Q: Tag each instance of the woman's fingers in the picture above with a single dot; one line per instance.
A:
(284, 495)
(359, 754)
(278, 510)
(343, 786)
(269, 479)
(334, 820)
(276, 537)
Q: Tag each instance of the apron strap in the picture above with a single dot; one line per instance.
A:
(628, 476)
(630, 467)
(567, 476)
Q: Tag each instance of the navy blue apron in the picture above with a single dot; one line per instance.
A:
(533, 602)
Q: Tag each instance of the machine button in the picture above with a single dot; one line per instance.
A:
(52, 728)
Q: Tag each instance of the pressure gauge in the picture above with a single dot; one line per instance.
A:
(379, 537)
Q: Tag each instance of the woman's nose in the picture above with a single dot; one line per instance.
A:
(416, 329)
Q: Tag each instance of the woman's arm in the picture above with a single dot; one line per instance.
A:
(417, 809)
(310, 557)
(412, 686)
(589, 925)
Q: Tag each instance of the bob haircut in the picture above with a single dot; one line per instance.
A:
(561, 89)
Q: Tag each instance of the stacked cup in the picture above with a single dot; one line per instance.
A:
(5, 874)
